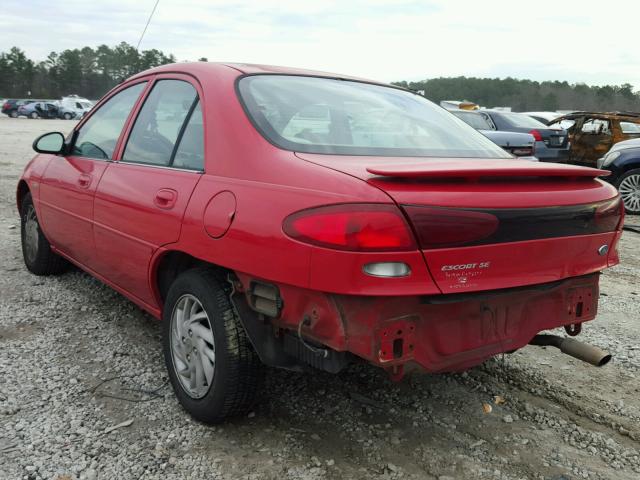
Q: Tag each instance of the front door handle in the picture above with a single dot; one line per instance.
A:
(84, 180)
(165, 198)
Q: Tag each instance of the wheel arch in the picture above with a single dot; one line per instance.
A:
(627, 162)
(21, 192)
(168, 265)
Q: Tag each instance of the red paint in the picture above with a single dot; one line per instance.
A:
(119, 220)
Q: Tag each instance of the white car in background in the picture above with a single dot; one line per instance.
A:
(76, 104)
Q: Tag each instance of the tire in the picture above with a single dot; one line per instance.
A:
(228, 382)
(36, 249)
(67, 116)
(33, 115)
(629, 187)
(13, 114)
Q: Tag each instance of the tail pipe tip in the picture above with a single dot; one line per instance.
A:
(572, 347)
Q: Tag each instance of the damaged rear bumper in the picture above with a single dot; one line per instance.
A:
(436, 333)
(443, 333)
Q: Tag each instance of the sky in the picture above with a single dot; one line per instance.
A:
(589, 41)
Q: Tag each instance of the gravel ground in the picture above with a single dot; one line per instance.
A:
(77, 359)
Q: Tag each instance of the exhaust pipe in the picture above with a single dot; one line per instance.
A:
(570, 346)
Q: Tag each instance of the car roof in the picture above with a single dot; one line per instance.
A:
(455, 110)
(203, 68)
(620, 115)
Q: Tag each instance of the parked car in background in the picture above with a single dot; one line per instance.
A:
(543, 117)
(47, 110)
(388, 231)
(552, 144)
(10, 107)
(78, 106)
(518, 144)
(28, 110)
(623, 161)
(594, 133)
(67, 113)
(457, 104)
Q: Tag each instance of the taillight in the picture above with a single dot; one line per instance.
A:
(355, 227)
(537, 135)
(446, 227)
(609, 215)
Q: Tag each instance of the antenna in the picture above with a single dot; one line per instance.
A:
(148, 21)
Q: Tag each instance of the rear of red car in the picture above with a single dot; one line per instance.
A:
(474, 254)
(513, 248)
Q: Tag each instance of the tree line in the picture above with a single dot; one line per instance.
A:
(91, 72)
(88, 72)
(529, 95)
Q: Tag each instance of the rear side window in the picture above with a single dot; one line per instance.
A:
(477, 121)
(190, 151)
(520, 120)
(98, 137)
(160, 122)
(630, 128)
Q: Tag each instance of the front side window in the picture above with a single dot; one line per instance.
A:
(98, 136)
(596, 126)
(325, 115)
(155, 133)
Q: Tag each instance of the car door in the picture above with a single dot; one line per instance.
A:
(69, 183)
(591, 140)
(142, 197)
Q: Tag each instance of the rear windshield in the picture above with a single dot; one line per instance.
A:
(340, 117)
(520, 120)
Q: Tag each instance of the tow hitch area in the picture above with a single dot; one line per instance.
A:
(396, 339)
(570, 346)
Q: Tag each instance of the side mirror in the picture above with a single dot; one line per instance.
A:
(52, 142)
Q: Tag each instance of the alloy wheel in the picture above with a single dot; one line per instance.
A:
(192, 346)
(31, 234)
(630, 192)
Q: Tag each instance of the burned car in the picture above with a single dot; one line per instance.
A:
(594, 133)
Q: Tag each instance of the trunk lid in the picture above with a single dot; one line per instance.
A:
(486, 224)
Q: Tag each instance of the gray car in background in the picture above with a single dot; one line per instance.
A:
(518, 144)
(552, 144)
(28, 110)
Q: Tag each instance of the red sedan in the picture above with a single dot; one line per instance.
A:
(300, 219)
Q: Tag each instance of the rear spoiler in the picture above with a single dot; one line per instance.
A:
(484, 168)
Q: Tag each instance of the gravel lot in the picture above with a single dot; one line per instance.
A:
(77, 359)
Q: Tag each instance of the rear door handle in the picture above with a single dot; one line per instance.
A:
(165, 198)
(84, 180)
